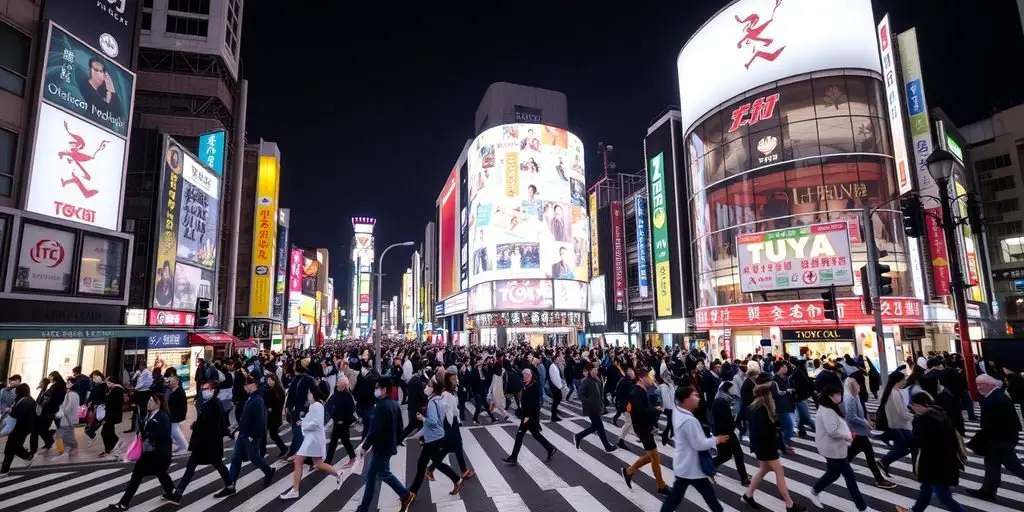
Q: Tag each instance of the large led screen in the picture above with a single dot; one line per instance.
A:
(527, 216)
(448, 204)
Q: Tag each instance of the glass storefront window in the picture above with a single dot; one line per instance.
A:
(835, 135)
(94, 357)
(63, 356)
(27, 360)
(830, 97)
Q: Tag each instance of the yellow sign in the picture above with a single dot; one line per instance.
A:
(663, 285)
(595, 260)
(264, 236)
(512, 174)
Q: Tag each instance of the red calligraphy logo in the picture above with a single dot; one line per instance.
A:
(754, 112)
(753, 37)
(75, 155)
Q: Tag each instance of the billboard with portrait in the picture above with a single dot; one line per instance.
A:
(105, 24)
(596, 305)
(80, 80)
(77, 170)
(527, 213)
(310, 270)
(570, 295)
(181, 275)
(448, 232)
(101, 266)
(281, 263)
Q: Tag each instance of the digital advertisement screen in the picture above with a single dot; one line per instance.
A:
(448, 232)
(527, 215)
(814, 256)
(198, 215)
(597, 305)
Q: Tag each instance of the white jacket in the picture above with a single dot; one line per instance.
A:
(831, 434)
(69, 409)
(690, 439)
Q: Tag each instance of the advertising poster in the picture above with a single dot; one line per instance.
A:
(641, 244)
(448, 205)
(189, 284)
(211, 150)
(596, 304)
(167, 225)
(198, 215)
(45, 261)
(481, 298)
(77, 171)
(463, 230)
(815, 256)
(659, 236)
(282, 264)
(81, 80)
(618, 257)
(893, 96)
(265, 232)
(595, 257)
(310, 269)
(895, 311)
(570, 295)
(523, 220)
(295, 273)
(101, 270)
(105, 24)
(519, 294)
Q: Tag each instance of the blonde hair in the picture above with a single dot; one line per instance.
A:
(344, 383)
(849, 384)
(753, 370)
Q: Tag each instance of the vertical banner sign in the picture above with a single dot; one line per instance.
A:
(449, 266)
(618, 257)
(211, 150)
(892, 96)
(595, 260)
(264, 236)
(659, 236)
(641, 244)
(167, 225)
(281, 264)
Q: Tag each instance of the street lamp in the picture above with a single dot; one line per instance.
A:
(941, 165)
(377, 331)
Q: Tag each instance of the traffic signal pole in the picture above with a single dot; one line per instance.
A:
(876, 300)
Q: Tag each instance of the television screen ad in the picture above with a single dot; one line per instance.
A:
(527, 214)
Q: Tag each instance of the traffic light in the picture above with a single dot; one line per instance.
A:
(830, 304)
(203, 312)
(884, 281)
(913, 216)
(865, 290)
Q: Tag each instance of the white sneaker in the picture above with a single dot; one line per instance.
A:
(92, 441)
(816, 500)
(339, 481)
(290, 495)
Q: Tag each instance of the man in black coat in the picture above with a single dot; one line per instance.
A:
(645, 423)
(382, 439)
(530, 422)
(1000, 428)
(205, 443)
(178, 409)
(252, 430)
(417, 400)
(24, 414)
(591, 395)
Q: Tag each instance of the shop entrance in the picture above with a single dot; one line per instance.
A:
(34, 359)
(815, 343)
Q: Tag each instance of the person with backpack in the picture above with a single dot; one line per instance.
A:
(940, 455)
(433, 443)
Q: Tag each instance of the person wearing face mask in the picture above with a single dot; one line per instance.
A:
(177, 406)
(205, 443)
(452, 434)
(833, 439)
(433, 444)
(156, 452)
(381, 442)
(416, 398)
(342, 406)
(252, 427)
(364, 392)
(314, 445)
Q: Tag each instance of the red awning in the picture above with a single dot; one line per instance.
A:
(248, 343)
(211, 338)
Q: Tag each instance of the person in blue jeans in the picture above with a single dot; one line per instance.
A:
(382, 443)
(249, 436)
(939, 457)
(785, 404)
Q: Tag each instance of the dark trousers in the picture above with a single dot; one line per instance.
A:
(411, 426)
(463, 398)
(732, 448)
(9, 453)
(596, 425)
(943, 492)
(190, 469)
(365, 416)
(997, 456)
(432, 453)
(834, 468)
(404, 388)
(244, 448)
(139, 401)
(273, 430)
(678, 492)
(41, 429)
(136, 480)
(556, 398)
(668, 432)
(109, 435)
(341, 431)
(533, 427)
(480, 405)
(861, 444)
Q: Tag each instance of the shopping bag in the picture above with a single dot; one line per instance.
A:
(101, 412)
(8, 425)
(83, 411)
(60, 446)
(134, 451)
(90, 417)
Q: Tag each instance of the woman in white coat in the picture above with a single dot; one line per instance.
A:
(67, 416)
(498, 392)
(314, 444)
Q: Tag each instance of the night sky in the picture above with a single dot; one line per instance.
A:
(371, 107)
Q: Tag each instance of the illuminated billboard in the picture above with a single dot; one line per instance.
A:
(265, 231)
(815, 256)
(754, 42)
(527, 215)
(448, 233)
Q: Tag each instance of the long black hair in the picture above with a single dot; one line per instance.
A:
(894, 378)
(825, 399)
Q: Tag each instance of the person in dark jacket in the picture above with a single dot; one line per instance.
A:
(1000, 428)
(530, 422)
(416, 398)
(80, 384)
(827, 377)
(591, 396)
(764, 435)
(24, 414)
(177, 409)
(382, 441)
(645, 423)
(725, 425)
(251, 432)
(205, 443)
(298, 390)
(785, 405)
(50, 399)
(97, 396)
(342, 406)
(938, 462)
(113, 413)
(946, 401)
(622, 389)
(275, 412)
(156, 451)
(364, 390)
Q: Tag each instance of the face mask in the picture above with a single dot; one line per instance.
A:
(207, 394)
(377, 393)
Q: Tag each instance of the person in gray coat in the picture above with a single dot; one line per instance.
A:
(591, 395)
(856, 419)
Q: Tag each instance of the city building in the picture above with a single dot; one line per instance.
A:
(451, 256)
(507, 103)
(362, 278)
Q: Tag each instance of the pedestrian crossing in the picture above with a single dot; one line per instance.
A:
(585, 480)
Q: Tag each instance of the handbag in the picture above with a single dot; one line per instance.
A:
(8, 425)
(707, 463)
(101, 412)
(83, 412)
(90, 417)
(134, 451)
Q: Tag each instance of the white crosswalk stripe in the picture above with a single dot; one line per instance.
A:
(586, 480)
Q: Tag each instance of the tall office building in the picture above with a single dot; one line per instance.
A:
(362, 277)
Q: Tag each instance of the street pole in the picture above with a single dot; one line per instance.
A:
(376, 307)
(237, 174)
(876, 301)
(957, 284)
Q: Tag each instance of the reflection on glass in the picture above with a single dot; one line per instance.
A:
(94, 357)
(63, 356)
(27, 359)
